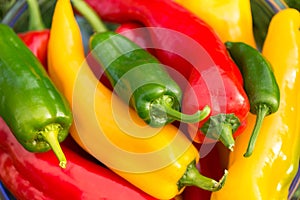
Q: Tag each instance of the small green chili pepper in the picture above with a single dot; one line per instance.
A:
(259, 82)
(37, 114)
(139, 79)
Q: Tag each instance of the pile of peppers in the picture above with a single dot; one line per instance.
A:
(235, 112)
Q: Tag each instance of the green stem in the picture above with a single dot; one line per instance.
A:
(50, 134)
(194, 118)
(90, 15)
(226, 136)
(221, 127)
(192, 177)
(35, 18)
(262, 112)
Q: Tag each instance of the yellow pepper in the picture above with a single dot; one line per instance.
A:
(269, 171)
(231, 19)
(161, 162)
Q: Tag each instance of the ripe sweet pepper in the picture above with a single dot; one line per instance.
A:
(172, 165)
(268, 173)
(232, 20)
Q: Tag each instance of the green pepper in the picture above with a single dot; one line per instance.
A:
(259, 82)
(37, 114)
(140, 80)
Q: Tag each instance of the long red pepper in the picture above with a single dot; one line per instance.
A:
(37, 36)
(36, 176)
(215, 79)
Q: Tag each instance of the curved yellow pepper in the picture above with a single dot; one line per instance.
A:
(99, 119)
(231, 19)
(269, 171)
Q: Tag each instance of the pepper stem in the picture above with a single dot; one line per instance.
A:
(166, 105)
(90, 15)
(226, 136)
(35, 19)
(50, 134)
(221, 127)
(192, 177)
(262, 112)
(194, 118)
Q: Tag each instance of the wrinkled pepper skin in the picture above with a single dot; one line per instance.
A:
(36, 176)
(268, 173)
(70, 61)
(232, 20)
(37, 113)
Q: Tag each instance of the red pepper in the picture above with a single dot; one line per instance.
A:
(219, 85)
(36, 38)
(36, 176)
(37, 42)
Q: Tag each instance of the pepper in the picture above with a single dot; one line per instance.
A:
(36, 38)
(260, 84)
(132, 71)
(268, 173)
(139, 78)
(29, 175)
(232, 20)
(196, 40)
(33, 108)
(168, 18)
(174, 165)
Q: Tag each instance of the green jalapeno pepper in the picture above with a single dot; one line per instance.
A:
(37, 114)
(139, 79)
(259, 82)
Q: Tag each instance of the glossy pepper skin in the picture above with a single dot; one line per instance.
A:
(136, 75)
(259, 82)
(29, 175)
(37, 36)
(141, 80)
(31, 105)
(162, 14)
(269, 171)
(167, 14)
(232, 20)
(171, 178)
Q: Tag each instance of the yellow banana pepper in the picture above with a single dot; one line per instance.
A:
(161, 162)
(231, 19)
(269, 171)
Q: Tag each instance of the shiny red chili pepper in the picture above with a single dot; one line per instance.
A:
(213, 77)
(36, 176)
